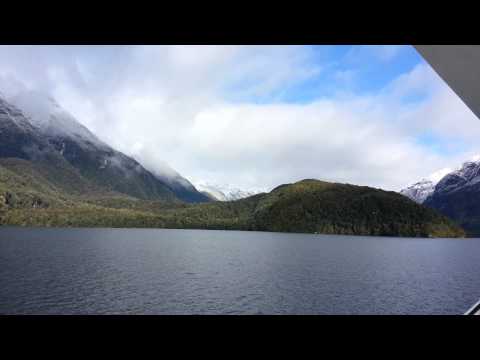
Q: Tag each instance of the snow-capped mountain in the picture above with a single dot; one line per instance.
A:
(47, 115)
(33, 125)
(12, 116)
(225, 192)
(17, 135)
(467, 175)
(457, 195)
(419, 191)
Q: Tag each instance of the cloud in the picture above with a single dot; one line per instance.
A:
(195, 109)
(388, 52)
(382, 53)
(360, 140)
(436, 176)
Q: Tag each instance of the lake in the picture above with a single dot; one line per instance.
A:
(151, 271)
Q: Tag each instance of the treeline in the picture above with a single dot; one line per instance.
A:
(308, 206)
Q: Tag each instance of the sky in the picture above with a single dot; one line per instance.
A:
(254, 117)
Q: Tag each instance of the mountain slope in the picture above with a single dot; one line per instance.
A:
(316, 206)
(419, 191)
(183, 188)
(308, 206)
(55, 172)
(18, 138)
(457, 195)
(43, 131)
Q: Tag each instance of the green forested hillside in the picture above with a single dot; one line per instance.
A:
(316, 206)
(32, 197)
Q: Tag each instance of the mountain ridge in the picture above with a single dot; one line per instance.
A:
(419, 191)
(308, 206)
(67, 177)
(54, 132)
(456, 195)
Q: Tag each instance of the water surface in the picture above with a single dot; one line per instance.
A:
(149, 271)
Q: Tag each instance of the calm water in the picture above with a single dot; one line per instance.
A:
(143, 271)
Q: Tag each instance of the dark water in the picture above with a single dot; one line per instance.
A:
(143, 271)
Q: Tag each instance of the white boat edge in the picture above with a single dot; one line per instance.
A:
(474, 310)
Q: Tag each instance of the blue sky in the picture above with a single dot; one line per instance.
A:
(258, 116)
(342, 69)
(351, 70)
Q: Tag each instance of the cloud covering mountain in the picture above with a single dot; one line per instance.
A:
(36, 128)
(257, 116)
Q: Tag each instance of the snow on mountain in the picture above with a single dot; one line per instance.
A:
(47, 115)
(467, 175)
(457, 196)
(225, 192)
(445, 180)
(11, 114)
(42, 119)
(419, 191)
(54, 121)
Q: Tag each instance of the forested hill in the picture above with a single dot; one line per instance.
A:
(308, 206)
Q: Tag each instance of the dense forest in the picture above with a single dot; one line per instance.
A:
(33, 196)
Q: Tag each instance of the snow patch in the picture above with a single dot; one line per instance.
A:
(226, 192)
(46, 114)
(445, 181)
(419, 191)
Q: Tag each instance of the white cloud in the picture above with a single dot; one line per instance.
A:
(382, 53)
(188, 107)
(388, 52)
(436, 176)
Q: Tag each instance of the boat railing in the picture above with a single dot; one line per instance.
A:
(474, 310)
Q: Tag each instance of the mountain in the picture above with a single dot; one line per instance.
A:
(224, 192)
(308, 206)
(183, 188)
(317, 206)
(457, 195)
(419, 191)
(17, 135)
(36, 128)
(467, 176)
(55, 172)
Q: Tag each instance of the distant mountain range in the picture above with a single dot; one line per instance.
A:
(224, 192)
(56, 172)
(456, 195)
